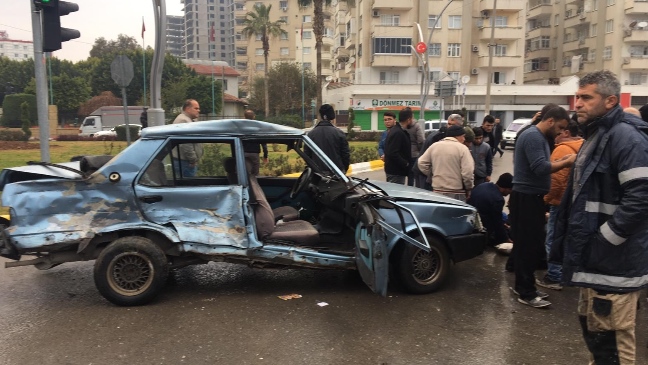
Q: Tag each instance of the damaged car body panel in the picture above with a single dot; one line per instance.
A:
(187, 194)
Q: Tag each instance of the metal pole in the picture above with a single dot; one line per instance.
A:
(491, 45)
(49, 75)
(41, 85)
(223, 91)
(302, 75)
(125, 104)
(155, 112)
(144, 67)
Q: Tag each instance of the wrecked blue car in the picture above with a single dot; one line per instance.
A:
(140, 215)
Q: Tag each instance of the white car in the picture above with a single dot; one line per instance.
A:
(434, 125)
(509, 135)
(111, 133)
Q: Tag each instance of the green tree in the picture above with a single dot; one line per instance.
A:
(69, 92)
(200, 88)
(258, 23)
(106, 98)
(318, 30)
(123, 43)
(14, 76)
(24, 119)
(285, 81)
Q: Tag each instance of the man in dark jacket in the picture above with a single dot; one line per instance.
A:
(398, 151)
(330, 140)
(488, 198)
(602, 225)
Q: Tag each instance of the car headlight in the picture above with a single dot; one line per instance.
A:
(475, 220)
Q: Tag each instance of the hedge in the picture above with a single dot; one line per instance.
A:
(11, 110)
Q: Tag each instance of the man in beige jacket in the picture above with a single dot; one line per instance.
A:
(186, 164)
(450, 165)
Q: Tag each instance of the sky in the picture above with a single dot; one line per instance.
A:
(95, 18)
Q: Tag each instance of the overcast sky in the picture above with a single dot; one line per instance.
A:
(95, 18)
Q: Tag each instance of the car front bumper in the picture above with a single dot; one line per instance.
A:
(466, 247)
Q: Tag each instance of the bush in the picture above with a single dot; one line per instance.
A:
(367, 136)
(363, 154)
(11, 135)
(292, 120)
(73, 137)
(24, 118)
(12, 116)
(120, 130)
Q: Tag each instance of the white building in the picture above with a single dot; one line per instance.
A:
(14, 49)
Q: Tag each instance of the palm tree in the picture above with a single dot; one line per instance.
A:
(318, 29)
(257, 23)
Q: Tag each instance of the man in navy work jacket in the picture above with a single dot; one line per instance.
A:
(602, 222)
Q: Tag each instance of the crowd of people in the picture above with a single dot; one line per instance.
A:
(576, 203)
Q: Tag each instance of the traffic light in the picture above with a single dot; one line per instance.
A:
(53, 33)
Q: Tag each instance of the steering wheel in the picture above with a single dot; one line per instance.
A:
(301, 183)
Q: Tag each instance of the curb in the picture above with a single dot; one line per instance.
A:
(355, 168)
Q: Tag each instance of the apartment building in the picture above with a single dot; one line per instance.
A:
(14, 49)
(298, 45)
(175, 35)
(209, 30)
(574, 37)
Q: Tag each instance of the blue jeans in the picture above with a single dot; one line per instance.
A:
(185, 167)
(554, 271)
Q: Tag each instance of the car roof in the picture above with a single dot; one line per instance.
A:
(522, 120)
(228, 127)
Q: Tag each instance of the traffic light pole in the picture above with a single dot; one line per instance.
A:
(41, 85)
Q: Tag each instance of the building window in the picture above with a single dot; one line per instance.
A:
(610, 2)
(593, 28)
(283, 5)
(257, 37)
(307, 34)
(284, 36)
(454, 75)
(389, 77)
(432, 19)
(500, 50)
(258, 51)
(637, 78)
(259, 67)
(454, 49)
(434, 49)
(435, 76)
(499, 77)
(607, 53)
(454, 21)
(284, 19)
(307, 65)
(390, 20)
(306, 50)
(306, 19)
(556, 20)
(284, 51)
(591, 55)
(609, 26)
(392, 45)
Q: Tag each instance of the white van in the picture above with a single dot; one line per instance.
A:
(434, 125)
(508, 137)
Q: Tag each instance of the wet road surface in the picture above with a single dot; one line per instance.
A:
(228, 314)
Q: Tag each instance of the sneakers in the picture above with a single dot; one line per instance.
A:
(536, 302)
(504, 248)
(539, 294)
(545, 282)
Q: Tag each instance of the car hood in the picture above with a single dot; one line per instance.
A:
(404, 192)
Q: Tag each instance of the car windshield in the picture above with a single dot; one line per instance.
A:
(514, 127)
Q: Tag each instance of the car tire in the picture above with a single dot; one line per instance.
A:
(421, 272)
(131, 271)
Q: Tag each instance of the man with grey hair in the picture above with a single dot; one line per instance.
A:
(601, 231)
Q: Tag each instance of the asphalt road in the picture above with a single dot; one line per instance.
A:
(227, 314)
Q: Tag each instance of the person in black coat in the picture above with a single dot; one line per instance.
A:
(331, 140)
(398, 151)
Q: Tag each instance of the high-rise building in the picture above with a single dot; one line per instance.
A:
(579, 36)
(297, 45)
(374, 40)
(209, 30)
(15, 49)
(175, 35)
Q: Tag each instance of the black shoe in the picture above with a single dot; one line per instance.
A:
(501, 154)
(545, 282)
(536, 302)
(539, 294)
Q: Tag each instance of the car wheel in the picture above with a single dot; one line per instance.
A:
(421, 272)
(131, 271)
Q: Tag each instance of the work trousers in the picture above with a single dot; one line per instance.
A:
(527, 220)
(608, 323)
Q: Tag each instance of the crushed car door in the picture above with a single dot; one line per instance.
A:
(201, 201)
(372, 237)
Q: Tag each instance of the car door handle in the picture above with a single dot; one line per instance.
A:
(151, 198)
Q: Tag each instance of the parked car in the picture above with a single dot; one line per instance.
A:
(138, 216)
(434, 125)
(511, 131)
(111, 133)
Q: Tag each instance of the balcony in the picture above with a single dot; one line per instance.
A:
(539, 31)
(538, 53)
(341, 53)
(576, 19)
(512, 33)
(349, 67)
(392, 4)
(635, 35)
(328, 41)
(404, 31)
(574, 45)
(536, 76)
(501, 61)
(539, 10)
(635, 62)
(636, 7)
(502, 5)
(397, 60)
